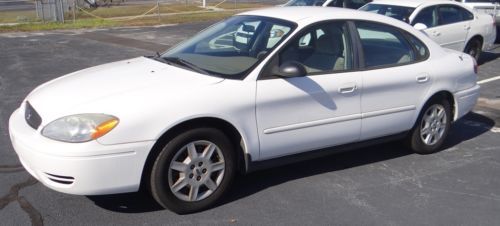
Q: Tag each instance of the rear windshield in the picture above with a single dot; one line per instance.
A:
(305, 3)
(478, 1)
(397, 12)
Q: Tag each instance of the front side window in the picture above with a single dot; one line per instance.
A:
(336, 3)
(320, 49)
(232, 47)
(427, 16)
(383, 45)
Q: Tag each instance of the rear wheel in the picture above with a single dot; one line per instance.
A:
(474, 48)
(431, 128)
(193, 170)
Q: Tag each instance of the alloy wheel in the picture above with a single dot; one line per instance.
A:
(433, 124)
(196, 171)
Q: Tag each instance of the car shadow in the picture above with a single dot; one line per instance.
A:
(134, 202)
(487, 57)
(469, 127)
(314, 90)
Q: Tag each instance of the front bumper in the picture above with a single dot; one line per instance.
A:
(78, 168)
(465, 101)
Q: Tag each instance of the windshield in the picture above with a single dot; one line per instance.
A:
(396, 12)
(231, 48)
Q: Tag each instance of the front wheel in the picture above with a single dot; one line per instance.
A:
(431, 128)
(193, 170)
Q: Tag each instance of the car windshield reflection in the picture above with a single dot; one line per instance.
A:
(231, 48)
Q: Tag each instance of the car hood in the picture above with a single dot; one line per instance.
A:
(58, 97)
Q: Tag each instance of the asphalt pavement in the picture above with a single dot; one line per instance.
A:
(380, 185)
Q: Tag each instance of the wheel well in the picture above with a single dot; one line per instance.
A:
(447, 96)
(227, 128)
(478, 37)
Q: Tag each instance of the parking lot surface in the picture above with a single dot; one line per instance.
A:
(380, 185)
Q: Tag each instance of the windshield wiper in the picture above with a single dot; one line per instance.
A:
(186, 63)
(158, 57)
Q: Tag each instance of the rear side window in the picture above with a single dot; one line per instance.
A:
(449, 14)
(466, 15)
(421, 51)
(384, 45)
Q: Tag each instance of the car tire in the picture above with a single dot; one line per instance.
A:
(474, 48)
(431, 127)
(193, 170)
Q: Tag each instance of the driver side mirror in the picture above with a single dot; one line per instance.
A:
(420, 26)
(248, 28)
(291, 69)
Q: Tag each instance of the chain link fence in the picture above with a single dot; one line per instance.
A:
(52, 10)
(124, 10)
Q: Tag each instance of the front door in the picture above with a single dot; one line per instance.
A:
(318, 110)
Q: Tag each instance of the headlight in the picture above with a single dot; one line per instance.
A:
(80, 128)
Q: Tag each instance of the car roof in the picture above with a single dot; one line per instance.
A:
(414, 3)
(298, 14)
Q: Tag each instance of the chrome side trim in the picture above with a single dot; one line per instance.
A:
(312, 123)
(388, 111)
(338, 119)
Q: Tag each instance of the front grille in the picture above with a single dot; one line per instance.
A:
(60, 179)
(32, 117)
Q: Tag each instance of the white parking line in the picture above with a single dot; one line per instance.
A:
(489, 80)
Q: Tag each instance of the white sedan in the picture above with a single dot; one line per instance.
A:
(491, 7)
(184, 122)
(450, 24)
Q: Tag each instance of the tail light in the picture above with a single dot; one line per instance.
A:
(475, 66)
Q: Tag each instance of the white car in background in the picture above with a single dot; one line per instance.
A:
(491, 7)
(450, 24)
(183, 123)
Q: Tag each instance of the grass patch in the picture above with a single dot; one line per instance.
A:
(134, 10)
(231, 5)
(79, 24)
(178, 19)
(99, 23)
(86, 21)
(17, 16)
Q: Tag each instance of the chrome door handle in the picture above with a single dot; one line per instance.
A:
(422, 79)
(347, 89)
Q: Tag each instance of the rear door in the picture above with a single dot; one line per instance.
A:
(394, 81)
(453, 27)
